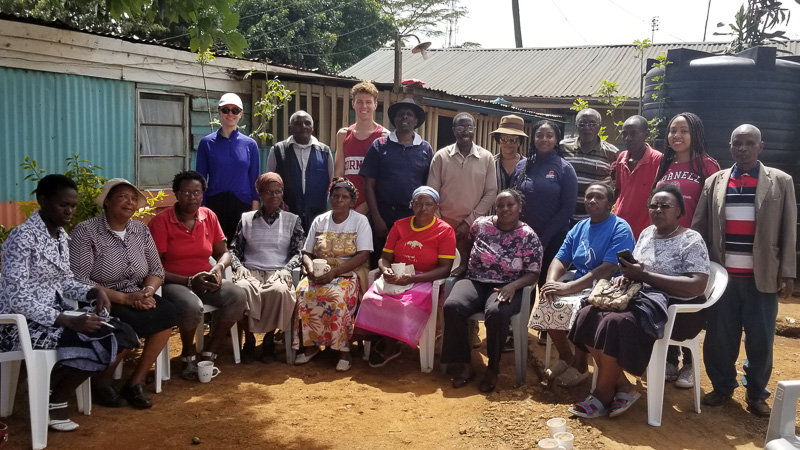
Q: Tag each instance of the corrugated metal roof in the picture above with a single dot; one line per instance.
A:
(562, 72)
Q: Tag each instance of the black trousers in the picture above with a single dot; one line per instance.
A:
(467, 298)
(229, 210)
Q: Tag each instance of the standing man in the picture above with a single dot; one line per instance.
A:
(393, 167)
(353, 142)
(464, 174)
(635, 170)
(306, 166)
(590, 156)
(747, 216)
(229, 162)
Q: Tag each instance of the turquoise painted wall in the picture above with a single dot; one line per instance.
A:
(50, 116)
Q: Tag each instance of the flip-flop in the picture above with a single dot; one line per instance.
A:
(591, 408)
(622, 401)
(302, 358)
(558, 368)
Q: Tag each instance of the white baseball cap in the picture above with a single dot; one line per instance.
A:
(231, 99)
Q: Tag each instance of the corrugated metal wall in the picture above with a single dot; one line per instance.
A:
(50, 116)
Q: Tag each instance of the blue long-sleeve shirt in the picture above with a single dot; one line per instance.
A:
(550, 188)
(229, 164)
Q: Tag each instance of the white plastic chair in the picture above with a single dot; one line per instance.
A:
(519, 327)
(234, 329)
(162, 364)
(39, 363)
(288, 335)
(781, 431)
(717, 281)
(428, 339)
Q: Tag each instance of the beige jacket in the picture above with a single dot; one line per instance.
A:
(776, 224)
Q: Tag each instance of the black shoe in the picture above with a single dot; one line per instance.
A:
(758, 407)
(136, 397)
(716, 398)
(488, 383)
(509, 346)
(267, 352)
(108, 397)
(248, 353)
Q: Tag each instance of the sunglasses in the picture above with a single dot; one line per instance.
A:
(226, 110)
(509, 139)
(653, 207)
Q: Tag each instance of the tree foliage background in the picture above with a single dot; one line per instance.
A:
(329, 35)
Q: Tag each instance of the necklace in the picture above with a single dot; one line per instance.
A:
(673, 231)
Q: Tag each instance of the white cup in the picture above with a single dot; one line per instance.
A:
(550, 443)
(399, 268)
(321, 267)
(206, 371)
(556, 425)
(564, 439)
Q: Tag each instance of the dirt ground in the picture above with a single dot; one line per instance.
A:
(313, 407)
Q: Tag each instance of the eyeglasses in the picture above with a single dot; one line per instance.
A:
(273, 193)
(460, 129)
(195, 194)
(654, 206)
(587, 124)
(226, 110)
(509, 139)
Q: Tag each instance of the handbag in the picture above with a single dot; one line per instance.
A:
(605, 295)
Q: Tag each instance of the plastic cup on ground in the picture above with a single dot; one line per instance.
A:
(550, 443)
(556, 425)
(565, 439)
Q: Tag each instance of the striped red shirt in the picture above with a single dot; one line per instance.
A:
(740, 222)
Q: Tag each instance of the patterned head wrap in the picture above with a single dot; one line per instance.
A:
(266, 178)
(342, 182)
(427, 190)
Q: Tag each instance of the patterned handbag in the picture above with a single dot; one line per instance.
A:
(615, 298)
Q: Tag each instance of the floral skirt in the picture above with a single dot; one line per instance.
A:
(325, 313)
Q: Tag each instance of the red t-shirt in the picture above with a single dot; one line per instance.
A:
(185, 252)
(633, 188)
(354, 150)
(423, 246)
(681, 175)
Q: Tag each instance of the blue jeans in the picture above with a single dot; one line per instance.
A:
(742, 306)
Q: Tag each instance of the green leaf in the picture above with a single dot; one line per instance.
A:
(235, 42)
(230, 22)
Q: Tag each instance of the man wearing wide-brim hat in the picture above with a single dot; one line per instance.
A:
(393, 167)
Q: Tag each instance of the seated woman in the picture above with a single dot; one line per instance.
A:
(325, 303)
(429, 244)
(186, 236)
(266, 248)
(672, 262)
(591, 246)
(505, 255)
(36, 282)
(119, 255)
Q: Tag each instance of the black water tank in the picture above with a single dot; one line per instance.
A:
(754, 87)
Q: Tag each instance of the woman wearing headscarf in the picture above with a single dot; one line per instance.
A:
(326, 302)
(426, 243)
(265, 250)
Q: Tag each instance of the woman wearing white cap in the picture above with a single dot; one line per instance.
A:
(119, 255)
(229, 161)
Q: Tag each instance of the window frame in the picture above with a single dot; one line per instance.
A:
(186, 126)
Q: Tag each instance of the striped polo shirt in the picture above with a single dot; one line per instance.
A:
(590, 167)
(740, 221)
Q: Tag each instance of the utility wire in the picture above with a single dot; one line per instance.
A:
(568, 22)
(642, 20)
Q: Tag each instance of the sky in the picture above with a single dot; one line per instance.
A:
(554, 23)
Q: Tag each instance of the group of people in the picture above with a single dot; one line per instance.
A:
(513, 220)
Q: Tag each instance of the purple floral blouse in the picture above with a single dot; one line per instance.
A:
(502, 256)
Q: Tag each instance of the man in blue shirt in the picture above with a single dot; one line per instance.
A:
(230, 163)
(393, 167)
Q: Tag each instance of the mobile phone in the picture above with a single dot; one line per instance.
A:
(210, 278)
(626, 255)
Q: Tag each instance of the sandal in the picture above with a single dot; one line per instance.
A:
(622, 401)
(63, 425)
(208, 356)
(571, 377)
(302, 358)
(189, 371)
(558, 368)
(590, 408)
